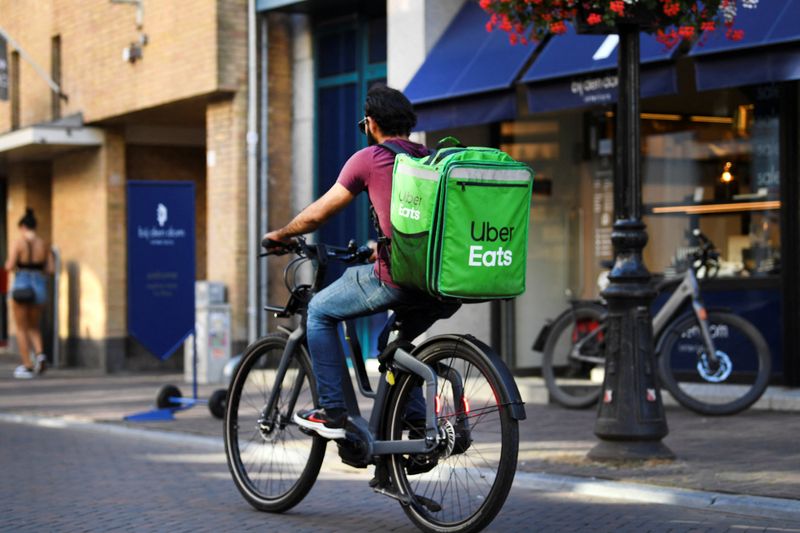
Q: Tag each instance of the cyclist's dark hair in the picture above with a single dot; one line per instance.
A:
(28, 219)
(391, 110)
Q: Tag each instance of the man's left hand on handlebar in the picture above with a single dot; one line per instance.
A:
(275, 242)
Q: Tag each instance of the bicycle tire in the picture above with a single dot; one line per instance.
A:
(688, 381)
(466, 456)
(258, 465)
(570, 384)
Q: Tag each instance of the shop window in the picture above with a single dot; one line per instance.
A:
(719, 172)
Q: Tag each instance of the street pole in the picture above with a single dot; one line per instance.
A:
(630, 420)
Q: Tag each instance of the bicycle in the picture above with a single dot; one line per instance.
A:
(450, 474)
(712, 362)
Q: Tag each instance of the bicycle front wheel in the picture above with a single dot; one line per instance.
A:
(732, 383)
(461, 485)
(272, 462)
(574, 357)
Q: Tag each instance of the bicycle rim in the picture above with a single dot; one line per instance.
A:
(471, 473)
(273, 463)
(571, 381)
(733, 383)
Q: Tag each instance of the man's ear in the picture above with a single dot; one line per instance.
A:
(373, 127)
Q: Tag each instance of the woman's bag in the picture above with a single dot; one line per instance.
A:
(23, 295)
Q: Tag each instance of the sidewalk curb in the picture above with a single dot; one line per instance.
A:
(752, 506)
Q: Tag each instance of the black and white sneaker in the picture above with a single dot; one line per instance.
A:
(329, 424)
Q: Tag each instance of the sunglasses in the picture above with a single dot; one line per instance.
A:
(362, 125)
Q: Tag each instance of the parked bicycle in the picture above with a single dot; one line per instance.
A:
(452, 473)
(711, 361)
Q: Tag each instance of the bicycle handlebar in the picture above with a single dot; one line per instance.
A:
(349, 254)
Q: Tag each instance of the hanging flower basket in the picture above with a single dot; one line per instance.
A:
(589, 20)
(671, 20)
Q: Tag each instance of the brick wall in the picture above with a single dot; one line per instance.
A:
(180, 59)
(196, 56)
(226, 192)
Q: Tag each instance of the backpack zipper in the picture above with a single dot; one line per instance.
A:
(465, 184)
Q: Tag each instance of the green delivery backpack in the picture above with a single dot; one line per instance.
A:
(460, 222)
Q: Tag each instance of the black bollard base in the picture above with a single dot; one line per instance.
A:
(624, 451)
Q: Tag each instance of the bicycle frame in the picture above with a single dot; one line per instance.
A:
(369, 429)
(689, 288)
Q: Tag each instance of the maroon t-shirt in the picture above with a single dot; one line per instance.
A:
(370, 169)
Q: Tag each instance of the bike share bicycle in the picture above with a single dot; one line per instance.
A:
(712, 362)
(452, 475)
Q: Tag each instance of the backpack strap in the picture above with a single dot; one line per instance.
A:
(395, 148)
(383, 240)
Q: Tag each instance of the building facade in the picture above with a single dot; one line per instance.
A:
(150, 91)
(719, 142)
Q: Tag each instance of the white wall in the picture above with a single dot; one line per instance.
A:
(413, 27)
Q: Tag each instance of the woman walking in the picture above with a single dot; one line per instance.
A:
(30, 257)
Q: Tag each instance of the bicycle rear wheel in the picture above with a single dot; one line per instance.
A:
(470, 474)
(574, 357)
(272, 462)
(734, 383)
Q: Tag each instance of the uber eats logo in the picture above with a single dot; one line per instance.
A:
(490, 256)
(410, 199)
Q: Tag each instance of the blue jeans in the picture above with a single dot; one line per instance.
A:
(356, 294)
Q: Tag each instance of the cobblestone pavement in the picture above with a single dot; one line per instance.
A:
(753, 453)
(74, 479)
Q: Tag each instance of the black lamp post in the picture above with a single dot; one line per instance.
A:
(630, 420)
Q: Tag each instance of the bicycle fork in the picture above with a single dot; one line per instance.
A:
(705, 332)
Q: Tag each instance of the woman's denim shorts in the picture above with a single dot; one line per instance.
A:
(33, 279)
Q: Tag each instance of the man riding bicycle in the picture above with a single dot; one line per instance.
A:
(366, 289)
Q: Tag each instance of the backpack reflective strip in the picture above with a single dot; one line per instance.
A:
(486, 174)
(416, 172)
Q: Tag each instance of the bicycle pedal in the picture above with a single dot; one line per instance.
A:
(307, 431)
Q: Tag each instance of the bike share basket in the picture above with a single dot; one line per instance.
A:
(460, 223)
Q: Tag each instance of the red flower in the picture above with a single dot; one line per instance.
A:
(735, 35)
(686, 31)
(558, 27)
(617, 6)
(708, 26)
(485, 4)
(593, 19)
(512, 38)
(671, 9)
(668, 39)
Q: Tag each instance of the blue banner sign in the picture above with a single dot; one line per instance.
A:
(161, 264)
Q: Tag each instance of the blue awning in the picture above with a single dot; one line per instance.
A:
(769, 51)
(468, 65)
(580, 70)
